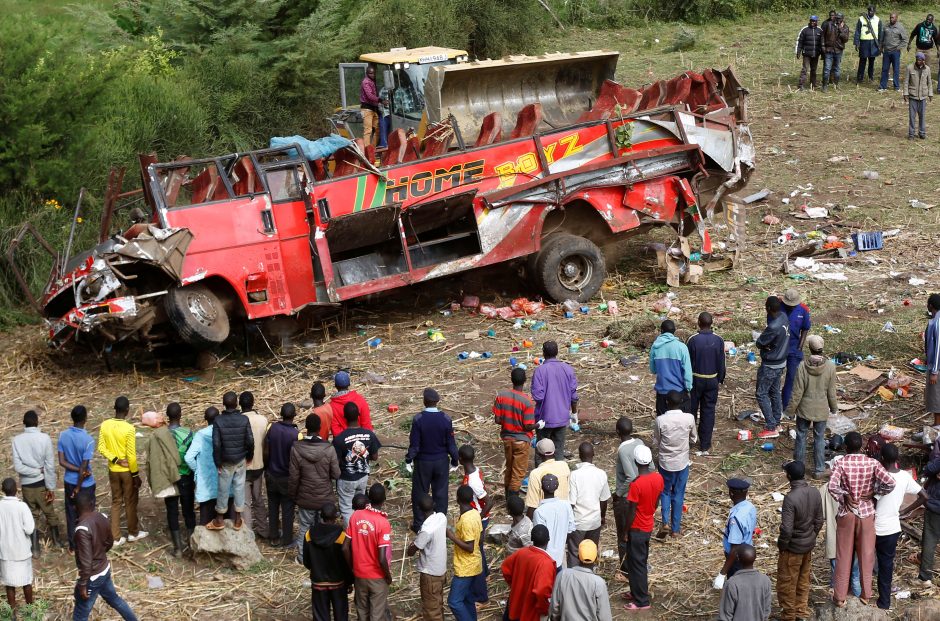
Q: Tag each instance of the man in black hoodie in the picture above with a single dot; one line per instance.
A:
(313, 468)
(232, 446)
(809, 44)
(330, 577)
(772, 344)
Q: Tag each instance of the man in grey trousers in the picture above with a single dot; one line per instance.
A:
(918, 90)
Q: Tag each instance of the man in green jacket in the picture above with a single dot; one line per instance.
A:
(163, 462)
(814, 398)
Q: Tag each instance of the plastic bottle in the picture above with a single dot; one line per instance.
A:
(513, 362)
(374, 343)
(569, 315)
(570, 305)
(538, 325)
(767, 446)
(751, 356)
(463, 355)
(574, 348)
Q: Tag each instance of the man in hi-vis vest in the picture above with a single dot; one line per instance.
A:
(867, 34)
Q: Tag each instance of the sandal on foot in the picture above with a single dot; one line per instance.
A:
(631, 607)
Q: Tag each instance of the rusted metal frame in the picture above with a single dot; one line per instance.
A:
(78, 209)
(499, 195)
(611, 138)
(115, 179)
(18, 274)
(540, 153)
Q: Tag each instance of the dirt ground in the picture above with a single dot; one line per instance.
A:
(801, 139)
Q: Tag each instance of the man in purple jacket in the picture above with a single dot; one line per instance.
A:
(555, 391)
(369, 102)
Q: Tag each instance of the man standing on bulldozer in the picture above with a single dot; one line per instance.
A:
(369, 102)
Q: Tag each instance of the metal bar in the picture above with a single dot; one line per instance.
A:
(78, 207)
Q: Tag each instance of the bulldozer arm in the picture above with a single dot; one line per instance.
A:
(566, 85)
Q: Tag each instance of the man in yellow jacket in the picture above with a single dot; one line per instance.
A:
(117, 442)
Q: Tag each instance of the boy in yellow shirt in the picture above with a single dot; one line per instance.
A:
(117, 442)
(468, 562)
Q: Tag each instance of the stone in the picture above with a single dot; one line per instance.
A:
(236, 548)
(924, 610)
(854, 611)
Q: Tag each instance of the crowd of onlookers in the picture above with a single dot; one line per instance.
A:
(315, 482)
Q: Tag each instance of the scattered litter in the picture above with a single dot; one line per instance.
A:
(838, 158)
(771, 219)
(804, 263)
(871, 175)
(777, 496)
(745, 434)
(757, 196)
(767, 446)
(435, 334)
(892, 433)
(825, 118)
(831, 276)
(524, 305)
(370, 377)
(607, 554)
(917, 282)
(919, 365)
(840, 424)
(889, 327)
(832, 330)
(816, 212)
(392, 408)
(757, 417)
(868, 241)
(785, 201)
(471, 336)
(885, 393)
(916, 204)
(866, 373)
(902, 595)
(376, 343)
(152, 419)
(154, 582)
(470, 302)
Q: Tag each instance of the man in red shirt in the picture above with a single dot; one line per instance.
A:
(641, 507)
(343, 396)
(368, 550)
(530, 574)
(515, 414)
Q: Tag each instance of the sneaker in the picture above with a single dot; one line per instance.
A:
(138, 536)
(768, 433)
(119, 542)
(882, 90)
(923, 583)
(702, 453)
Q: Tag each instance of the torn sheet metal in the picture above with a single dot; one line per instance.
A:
(165, 248)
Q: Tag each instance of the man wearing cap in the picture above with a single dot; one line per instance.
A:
(670, 363)
(339, 400)
(918, 90)
(556, 515)
(893, 38)
(809, 47)
(742, 520)
(798, 317)
(800, 522)
(642, 499)
(555, 391)
(579, 594)
(747, 595)
(835, 35)
(773, 344)
(707, 353)
(431, 444)
(814, 399)
(530, 574)
(924, 36)
(549, 465)
(867, 35)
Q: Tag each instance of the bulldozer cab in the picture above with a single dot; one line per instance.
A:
(400, 75)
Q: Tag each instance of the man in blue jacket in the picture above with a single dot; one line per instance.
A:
(670, 363)
(430, 444)
(707, 352)
(798, 316)
(773, 344)
(932, 357)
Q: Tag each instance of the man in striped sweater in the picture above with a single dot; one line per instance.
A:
(514, 412)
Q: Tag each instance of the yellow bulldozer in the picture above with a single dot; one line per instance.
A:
(429, 84)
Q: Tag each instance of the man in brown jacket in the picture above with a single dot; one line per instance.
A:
(314, 467)
(918, 89)
(800, 523)
(93, 540)
(814, 398)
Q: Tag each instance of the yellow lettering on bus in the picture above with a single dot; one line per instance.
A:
(571, 144)
(507, 174)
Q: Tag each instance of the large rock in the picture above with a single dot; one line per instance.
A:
(924, 610)
(854, 611)
(237, 548)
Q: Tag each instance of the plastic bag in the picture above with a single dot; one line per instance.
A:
(488, 311)
(892, 433)
(840, 424)
(313, 149)
(152, 419)
(526, 306)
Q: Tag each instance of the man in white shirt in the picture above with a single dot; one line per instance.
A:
(16, 558)
(673, 435)
(431, 541)
(888, 521)
(556, 515)
(255, 514)
(589, 493)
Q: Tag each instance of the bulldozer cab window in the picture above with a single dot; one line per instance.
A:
(351, 76)
(408, 98)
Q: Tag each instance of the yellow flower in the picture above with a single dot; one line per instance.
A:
(79, 220)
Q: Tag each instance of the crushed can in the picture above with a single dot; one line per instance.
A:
(745, 434)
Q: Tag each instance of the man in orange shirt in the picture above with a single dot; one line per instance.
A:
(322, 409)
(530, 574)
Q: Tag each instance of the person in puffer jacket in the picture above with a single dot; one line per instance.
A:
(773, 344)
(813, 401)
(233, 445)
(670, 363)
(809, 46)
(314, 466)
